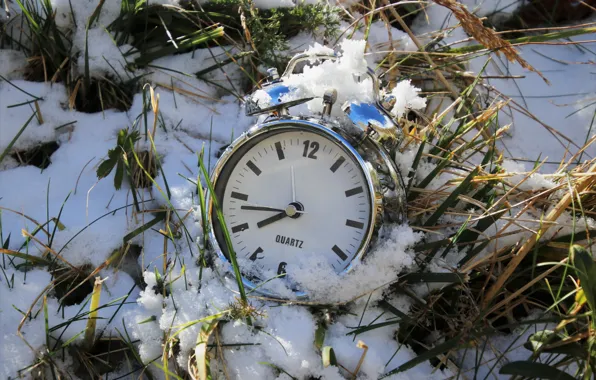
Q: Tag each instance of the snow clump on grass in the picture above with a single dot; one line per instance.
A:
(406, 98)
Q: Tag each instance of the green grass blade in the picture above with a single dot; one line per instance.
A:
(451, 200)
(432, 175)
(96, 13)
(412, 172)
(20, 89)
(193, 40)
(434, 277)
(534, 370)
(395, 311)
(57, 224)
(366, 328)
(433, 352)
(204, 222)
(221, 64)
(226, 234)
(328, 356)
(35, 260)
(14, 140)
(586, 271)
(137, 231)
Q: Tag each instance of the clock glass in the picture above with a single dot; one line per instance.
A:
(291, 192)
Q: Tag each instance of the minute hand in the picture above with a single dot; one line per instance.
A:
(261, 208)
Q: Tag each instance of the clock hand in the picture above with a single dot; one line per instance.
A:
(272, 219)
(293, 185)
(261, 208)
(255, 207)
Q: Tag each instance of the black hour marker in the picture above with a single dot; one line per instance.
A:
(339, 252)
(240, 196)
(355, 224)
(337, 164)
(280, 151)
(281, 269)
(251, 165)
(354, 191)
(255, 254)
(240, 227)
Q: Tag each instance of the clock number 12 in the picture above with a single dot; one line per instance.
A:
(314, 149)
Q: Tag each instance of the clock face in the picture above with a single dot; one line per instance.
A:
(290, 193)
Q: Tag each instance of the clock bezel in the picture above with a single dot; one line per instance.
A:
(372, 182)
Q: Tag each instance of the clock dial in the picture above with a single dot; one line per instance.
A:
(292, 192)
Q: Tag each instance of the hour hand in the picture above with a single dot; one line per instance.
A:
(272, 219)
(260, 208)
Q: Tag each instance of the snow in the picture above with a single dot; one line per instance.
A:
(94, 244)
(348, 76)
(379, 269)
(10, 62)
(96, 218)
(105, 57)
(334, 74)
(406, 98)
(12, 119)
(14, 353)
(518, 174)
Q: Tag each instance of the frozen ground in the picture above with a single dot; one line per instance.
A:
(287, 336)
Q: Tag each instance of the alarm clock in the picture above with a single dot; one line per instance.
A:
(296, 185)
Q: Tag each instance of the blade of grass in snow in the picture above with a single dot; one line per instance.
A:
(139, 230)
(228, 240)
(204, 221)
(14, 140)
(451, 199)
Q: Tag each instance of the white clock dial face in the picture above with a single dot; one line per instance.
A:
(274, 219)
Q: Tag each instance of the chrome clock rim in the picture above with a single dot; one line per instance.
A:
(319, 128)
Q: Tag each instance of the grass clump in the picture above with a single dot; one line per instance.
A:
(157, 31)
(94, 354)
(144, 170)
(101, 93)
(496, 256)
(267, 31)
(105, 356)
(48, 48)
(490, 291)
(50, 58)
(160, 30)
(139, 172)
